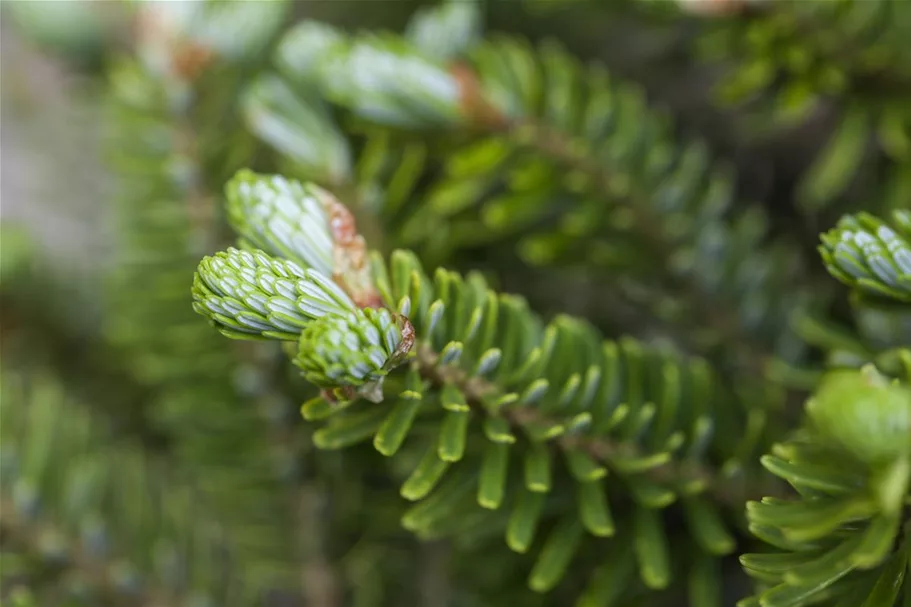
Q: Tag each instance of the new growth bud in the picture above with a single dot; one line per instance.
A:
(388, 81)
(866, 253)
(354, 350)
(865, 413)
(283, 217)
(249, 295)
(305, 223)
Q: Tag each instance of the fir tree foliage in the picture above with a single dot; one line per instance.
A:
(523, 408)
(293, 221)
(166, 110)
(456, 447)
(353, 349)
(844, 540)
(88, 518)
(791, 59)
(499, 141)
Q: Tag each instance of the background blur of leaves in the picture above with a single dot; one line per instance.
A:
(53, 55)
(55, 181)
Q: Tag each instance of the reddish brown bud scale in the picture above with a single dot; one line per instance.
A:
(471, 99)
(341, 222)
(349, 255)
(186, 59)
(407, 338)
(190, 59)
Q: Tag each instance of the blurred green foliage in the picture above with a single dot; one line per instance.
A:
(603, 401)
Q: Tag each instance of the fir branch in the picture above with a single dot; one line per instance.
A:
(845, 60)
(575, 156)
(483, 357)
(538, 109)
(601, 449)
(854, 38)
(554, 155)
(844, 536)
(567, 152)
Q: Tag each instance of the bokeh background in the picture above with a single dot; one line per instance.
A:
(119, 399)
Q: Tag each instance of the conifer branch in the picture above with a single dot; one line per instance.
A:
(835, 40)
(618, 468)
(569, 153)
(537, 107)
(600, 449)
(844, 535)
(473, 356)
(847, 63)
(574, 156)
